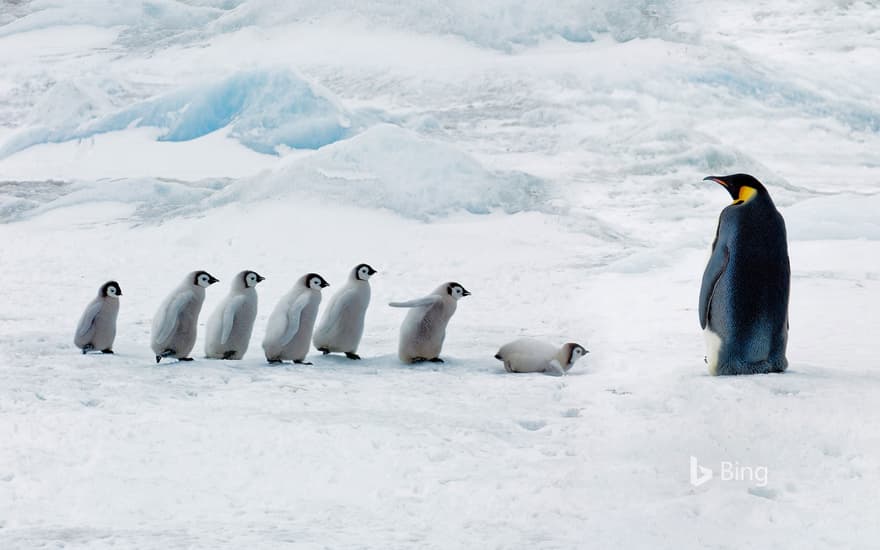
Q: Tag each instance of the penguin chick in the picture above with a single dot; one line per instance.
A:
(342, 325)
(528, 355)
(232, 323)
(424, 327)
(744, 293)
(97, 326)
(176, 322)
(289, 331)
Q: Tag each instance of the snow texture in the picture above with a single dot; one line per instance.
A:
(395, 169)
(264, 110)
(549, 157)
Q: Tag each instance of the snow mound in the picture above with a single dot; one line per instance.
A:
(20, 197)
(264, 109)
(390, 167)
(385, 167)
(143, 23)
(150, 199)
(836, 217)
(498, 24)
(796, 97)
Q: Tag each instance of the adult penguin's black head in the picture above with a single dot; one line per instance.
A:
(742, 187)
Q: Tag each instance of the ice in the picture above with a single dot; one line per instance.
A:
(385, 167)
(548, 156)
(388, 167)
(785, 95)
(500, 24)
(144, 22)
(264, 109)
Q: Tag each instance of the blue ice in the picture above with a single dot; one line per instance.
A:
(264, 109)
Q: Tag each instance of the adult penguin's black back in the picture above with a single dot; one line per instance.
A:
(744, 295)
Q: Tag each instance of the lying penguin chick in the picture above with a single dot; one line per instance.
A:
(528, 355)
(342, 325)
(289, 331)
(424, 327)
(176, 323)
(232, 323)
(97, 326)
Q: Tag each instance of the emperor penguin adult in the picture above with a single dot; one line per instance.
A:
(744, 295)
(424, 327)
(97, 326)
(289, 331)
(232, 323)
(176, 322)
(528, 355)
(342, 325)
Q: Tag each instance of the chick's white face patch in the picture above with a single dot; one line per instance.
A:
(457, 292)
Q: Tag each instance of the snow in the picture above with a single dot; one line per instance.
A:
(395, 169)
(263, 110)
(549, 158)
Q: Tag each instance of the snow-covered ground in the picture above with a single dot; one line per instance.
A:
(549, 158)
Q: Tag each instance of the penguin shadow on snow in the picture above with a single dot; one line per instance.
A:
(773, 384)
(385, 362)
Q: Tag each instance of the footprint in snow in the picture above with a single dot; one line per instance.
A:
(532, 425)
(763, 492)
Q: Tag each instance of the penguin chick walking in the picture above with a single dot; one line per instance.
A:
(527, 355)
(342, 325)
(97, 326)
(176, 322)
(744, 295)
(289, 331)
(232, 323)
(424, 328)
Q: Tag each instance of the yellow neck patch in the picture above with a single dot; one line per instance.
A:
(745, 194)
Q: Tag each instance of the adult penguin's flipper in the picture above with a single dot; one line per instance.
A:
(714, 269)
